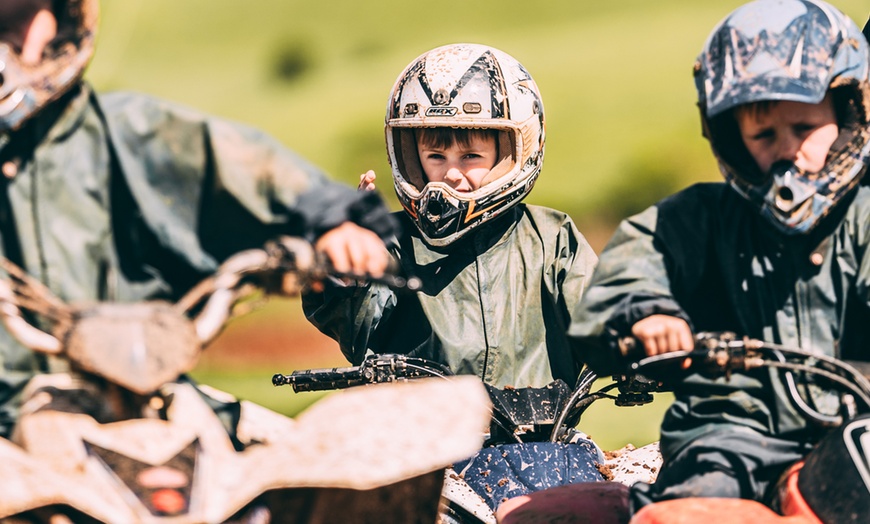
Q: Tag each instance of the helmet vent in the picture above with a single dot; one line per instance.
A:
(434, 209)
(785, 195)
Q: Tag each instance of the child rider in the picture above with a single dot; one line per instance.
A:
(501, 279)
(777, 253)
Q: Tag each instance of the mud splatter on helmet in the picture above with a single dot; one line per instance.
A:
(464, 86)
(793, 50)
(26, 89)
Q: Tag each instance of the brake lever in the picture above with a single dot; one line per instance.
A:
(714, 356)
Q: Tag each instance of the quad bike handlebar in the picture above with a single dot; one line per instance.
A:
(142, 345)
(519, 414)
(716, 354)
(286, 265)
(376, 369)
(720, 354)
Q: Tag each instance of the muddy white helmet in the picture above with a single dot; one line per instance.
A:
(794, 50)
(464, 86)
(26, 89)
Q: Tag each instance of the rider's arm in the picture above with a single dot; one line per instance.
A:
(662, 334)
(568, 264)
(572, 267)
(209, 187)
(349, 314)
(631, 283)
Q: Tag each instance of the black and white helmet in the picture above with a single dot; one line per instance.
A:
(26, 89)
(464, 86)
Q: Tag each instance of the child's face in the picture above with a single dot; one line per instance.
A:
(462, 167)
(791, 131)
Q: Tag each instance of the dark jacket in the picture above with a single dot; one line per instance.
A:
(706, 255)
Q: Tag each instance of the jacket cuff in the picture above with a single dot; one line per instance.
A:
(636, 307)
(365, 209)
(371, 213)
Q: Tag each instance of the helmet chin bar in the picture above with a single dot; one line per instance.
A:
(440, 215)
(795, 201)
(791, 201)
(790, 188)
(16, 101)
(443, 215)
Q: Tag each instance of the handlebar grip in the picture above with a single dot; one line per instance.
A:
(321, 379)
(630, 347)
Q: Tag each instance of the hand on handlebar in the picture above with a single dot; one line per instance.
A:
(719, 354)
(661, 334)
(355, 250)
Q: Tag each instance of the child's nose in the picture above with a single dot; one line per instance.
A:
(789, 148)
(454, 175)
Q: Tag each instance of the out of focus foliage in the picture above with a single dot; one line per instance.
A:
(615, 77)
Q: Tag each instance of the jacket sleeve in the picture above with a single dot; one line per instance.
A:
(279, 186)
(566, 278)
(574, 265)
(208, 187)
(349, 314)
(629, 284)
(855, 341)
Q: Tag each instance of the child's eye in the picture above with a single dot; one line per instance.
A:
(764, 134)
(804, 128)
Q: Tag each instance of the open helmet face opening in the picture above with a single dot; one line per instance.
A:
(464, 86)
(26, 89)
(787, 50)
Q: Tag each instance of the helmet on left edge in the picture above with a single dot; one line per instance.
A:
(25, 89)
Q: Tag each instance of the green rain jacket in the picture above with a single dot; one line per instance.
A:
(706, 255)
(495, 305)
(124, 197)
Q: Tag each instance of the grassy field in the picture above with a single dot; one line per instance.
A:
(622, 127)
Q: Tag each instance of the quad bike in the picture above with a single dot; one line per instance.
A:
(124, 437)
(532, 443)
(832, 484)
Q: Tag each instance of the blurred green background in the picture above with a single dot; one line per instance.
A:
(622, 126)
